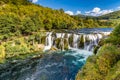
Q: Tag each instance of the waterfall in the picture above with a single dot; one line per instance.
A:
(49, 41)
(75, 40)
(72, 40)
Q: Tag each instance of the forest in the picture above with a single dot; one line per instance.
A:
(22, 17)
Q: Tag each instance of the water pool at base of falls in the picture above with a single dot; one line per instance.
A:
(61, 65)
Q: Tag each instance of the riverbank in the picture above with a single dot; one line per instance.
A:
(105, 63)
(18, 46)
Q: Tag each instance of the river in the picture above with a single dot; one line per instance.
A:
(59, 65)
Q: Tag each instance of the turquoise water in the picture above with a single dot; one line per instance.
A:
(62, 65)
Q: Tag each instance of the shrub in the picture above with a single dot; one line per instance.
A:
(102, 65)
(116, 31)
(2, 53)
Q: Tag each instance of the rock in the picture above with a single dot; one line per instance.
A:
(71, 40)
(43, 39)
(53, 48)
(37, 57)
(66, 44)
(81, 42)
(41, 46)
(58, 43)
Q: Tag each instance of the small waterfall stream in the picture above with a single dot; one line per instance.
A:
(48, 42)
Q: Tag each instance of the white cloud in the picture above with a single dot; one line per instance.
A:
(34, 1)
(118, 7)
(105, 12)
(72, 13)
(69, 12)
(78, 12)
(97, 12)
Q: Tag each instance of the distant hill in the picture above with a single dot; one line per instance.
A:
(107, 20)
(113, 15)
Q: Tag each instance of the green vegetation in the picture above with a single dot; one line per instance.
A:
(113, 15)
(62, 43)
(107, 20)
(58, 43)
(115, 37)
(21, 17)
(71, 40)
(22, 26)
(105, 64)
(66, 44)
(21, 46)
(94, 22)
(2, 54)
(81, 42)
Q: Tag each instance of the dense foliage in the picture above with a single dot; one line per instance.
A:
(115, 37)
(105, 65)
(17, 47)
(21, 17)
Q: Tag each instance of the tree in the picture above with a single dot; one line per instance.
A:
(61, 10)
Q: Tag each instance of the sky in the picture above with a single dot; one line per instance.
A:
(86, 7)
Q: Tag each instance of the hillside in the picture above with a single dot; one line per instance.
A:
(113, 15)
(107, 20)
(23, 17)
(105, 63)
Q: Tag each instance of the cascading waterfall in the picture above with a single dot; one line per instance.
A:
(49, 40)
(77, 41)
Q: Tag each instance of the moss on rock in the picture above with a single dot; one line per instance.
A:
(66, 44)
(43, 40)
(81, 42)
(58, 43)
(71, 40)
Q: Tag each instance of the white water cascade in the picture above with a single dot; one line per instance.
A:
(49, 41)
(77, 41)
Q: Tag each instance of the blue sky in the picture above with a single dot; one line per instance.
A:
(87, 7)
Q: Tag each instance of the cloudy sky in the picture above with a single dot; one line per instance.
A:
(87, 7)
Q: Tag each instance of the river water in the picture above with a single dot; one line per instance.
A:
(61, 65)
